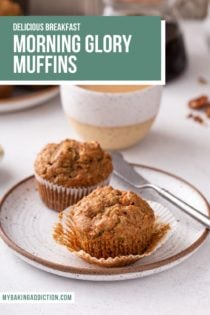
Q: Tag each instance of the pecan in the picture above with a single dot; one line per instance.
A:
(190, 115)
(207, 111)
(199, 102)
(198, 119)
(202, 80)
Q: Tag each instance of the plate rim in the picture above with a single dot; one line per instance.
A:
(105, 271)
(11, 101)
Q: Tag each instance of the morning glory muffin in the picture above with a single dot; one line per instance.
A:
(67, 171)
(107, 223)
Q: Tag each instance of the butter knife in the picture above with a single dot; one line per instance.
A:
(127, 173)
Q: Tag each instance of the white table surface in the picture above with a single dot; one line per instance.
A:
(175, 144)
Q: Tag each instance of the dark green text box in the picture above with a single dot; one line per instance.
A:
(142, 63)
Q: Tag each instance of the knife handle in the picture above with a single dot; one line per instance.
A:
(193, 212)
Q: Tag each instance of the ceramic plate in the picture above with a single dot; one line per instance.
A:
(30, 99)
(26, 225)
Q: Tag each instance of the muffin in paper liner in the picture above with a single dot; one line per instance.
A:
(165, 225)
(67, 171)
(59, 197)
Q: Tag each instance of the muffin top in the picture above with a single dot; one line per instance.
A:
(8, 7)
(73, 164)
(110, 213)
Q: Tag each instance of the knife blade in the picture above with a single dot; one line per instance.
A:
(126, 172)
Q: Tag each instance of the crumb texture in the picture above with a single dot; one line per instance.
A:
(73, 164)
(109, 223)
(110, 210)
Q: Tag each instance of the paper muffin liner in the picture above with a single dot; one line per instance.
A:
(165, 224)
(58, 197)
(113, 248)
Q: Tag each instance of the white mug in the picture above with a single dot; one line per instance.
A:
(115, 120)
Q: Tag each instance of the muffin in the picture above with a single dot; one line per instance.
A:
(9, 8)
(68, 171)
(107, 223)
(6, 91)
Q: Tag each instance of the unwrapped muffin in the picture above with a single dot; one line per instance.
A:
(67, 171)
(107, 223)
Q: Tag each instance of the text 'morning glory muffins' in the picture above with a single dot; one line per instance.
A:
(67, 171)
(108, 223)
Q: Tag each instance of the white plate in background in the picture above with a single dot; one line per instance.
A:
(28, 99)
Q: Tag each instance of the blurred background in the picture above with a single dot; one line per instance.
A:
(187, 8)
